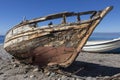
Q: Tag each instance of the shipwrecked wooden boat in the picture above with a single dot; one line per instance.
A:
(54, 45)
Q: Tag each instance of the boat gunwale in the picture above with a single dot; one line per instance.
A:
(59, 25)
(62, 26)
(92, 12)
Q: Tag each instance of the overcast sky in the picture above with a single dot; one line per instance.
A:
(13, 11)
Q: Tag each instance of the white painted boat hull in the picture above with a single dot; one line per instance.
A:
(103, 46)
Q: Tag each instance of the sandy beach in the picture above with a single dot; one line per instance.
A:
(88, 66)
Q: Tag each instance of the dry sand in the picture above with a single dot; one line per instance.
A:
(88, 66)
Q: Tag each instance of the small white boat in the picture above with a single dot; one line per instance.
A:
(103, 46)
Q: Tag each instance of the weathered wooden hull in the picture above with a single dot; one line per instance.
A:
(51, 46)
(47, 44)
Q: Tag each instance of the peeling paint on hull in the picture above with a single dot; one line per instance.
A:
(58, 45)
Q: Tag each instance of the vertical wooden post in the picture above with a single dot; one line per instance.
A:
(78, 17)
(64, 19)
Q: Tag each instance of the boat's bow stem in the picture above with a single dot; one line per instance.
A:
(89, 32)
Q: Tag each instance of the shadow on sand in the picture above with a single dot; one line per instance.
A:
(91, 69)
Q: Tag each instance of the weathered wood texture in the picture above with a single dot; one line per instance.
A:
(55, 45)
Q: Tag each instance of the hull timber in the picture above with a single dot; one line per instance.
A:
(55, 45)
